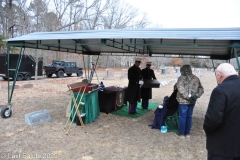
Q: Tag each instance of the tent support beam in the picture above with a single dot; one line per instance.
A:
(84, 65)
(214, 70)
(119, 45)
(124, 47)
(148, 49)
(93, 70)
(16, 72)
(236, 55)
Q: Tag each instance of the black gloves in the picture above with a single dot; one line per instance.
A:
(193, 99)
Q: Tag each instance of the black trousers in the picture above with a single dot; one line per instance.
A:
(145, 103)
(216, 157)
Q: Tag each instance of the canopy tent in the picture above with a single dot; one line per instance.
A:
(213, 43)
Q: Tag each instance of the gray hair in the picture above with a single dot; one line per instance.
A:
(226, 69)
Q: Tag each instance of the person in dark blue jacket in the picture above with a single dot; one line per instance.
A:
(134, 83)
(222, 119)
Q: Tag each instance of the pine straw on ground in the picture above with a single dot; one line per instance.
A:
(108, 137)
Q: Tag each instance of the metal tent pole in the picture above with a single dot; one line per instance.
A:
(84, 66)
(6, 112)
(88, 65)
(16, 73)
(236, 55)
(93, 70)
(214, 70)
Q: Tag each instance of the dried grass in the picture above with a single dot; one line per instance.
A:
(108, 137)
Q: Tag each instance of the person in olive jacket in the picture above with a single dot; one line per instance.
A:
(134, 82)
(146, 93)
(222, 119)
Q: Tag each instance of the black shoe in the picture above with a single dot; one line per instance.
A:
(147, 109)
(131, 113)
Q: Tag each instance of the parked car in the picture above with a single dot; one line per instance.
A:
(60, 67)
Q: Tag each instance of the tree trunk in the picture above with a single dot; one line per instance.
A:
(107, 61)
(36, 67)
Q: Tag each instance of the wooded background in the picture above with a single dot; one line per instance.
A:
(20, 17)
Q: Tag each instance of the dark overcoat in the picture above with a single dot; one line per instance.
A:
(146, 93)
(134, 76)
(222, 119)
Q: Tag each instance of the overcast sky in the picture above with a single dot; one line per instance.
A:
(191, 13)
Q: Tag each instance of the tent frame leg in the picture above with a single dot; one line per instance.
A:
(214, 70)
(6, 112)
(15, 75)
(89, 72)
(236, 56)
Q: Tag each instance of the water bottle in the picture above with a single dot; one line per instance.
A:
(163, 129)
(101, 86)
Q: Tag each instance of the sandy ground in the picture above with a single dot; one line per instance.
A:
(109, 137)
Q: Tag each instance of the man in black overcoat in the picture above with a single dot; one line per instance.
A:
(134, 82)
(222, 119)
(146, 93)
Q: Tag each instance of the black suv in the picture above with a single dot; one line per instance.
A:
(61, 67)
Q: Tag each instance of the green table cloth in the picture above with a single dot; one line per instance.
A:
(90, 107)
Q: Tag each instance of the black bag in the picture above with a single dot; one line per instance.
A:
(172, 104)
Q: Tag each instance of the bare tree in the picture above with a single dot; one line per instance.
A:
(176, 62)
(11, 17)
(161, 61)
(50, 22)
(37, 56)
(121, 15)
(2, 44)
(69, 15)
(93, 15)
(120, 61)
(73, 12)
(37, 9)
